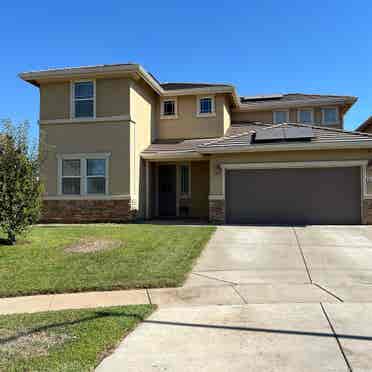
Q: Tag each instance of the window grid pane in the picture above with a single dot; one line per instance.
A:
(168, 108)
(96, 185)
(71, 186)
(330, 115)
(84, 108)
(305, 116)
(96, 167)
(184, 179)
(205, 105)
(84, 90)
(71, 168)
(280, 117)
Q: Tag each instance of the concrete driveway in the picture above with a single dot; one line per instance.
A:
(291, 299)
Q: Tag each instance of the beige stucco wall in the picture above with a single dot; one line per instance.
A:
(112, 99)
(142, 111)
(55, 101)
(267, 116)
(73, 138)
(189, 125)
(271, 156)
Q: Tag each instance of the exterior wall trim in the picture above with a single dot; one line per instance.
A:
(89, 197)
(87, 120)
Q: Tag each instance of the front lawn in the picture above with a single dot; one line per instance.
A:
(73, 340)
(56, 259)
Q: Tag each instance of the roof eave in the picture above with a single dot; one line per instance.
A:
(289, 147)
(169, 155)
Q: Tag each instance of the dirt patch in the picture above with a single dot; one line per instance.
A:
(28, 345)
(88, 245)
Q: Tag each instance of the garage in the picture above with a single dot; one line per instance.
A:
(299, 196)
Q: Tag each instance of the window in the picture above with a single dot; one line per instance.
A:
(305, 116)
(71, 177)
(330, 115)
(83, 94)
(83, 174)
(169, 108)
(280, 117)
(185, 179)
(96, 176)
(205, 106)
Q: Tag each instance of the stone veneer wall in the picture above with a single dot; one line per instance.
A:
(217, 211)
(81, 211)
(367, 212)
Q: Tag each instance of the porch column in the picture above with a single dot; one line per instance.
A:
(147, 168)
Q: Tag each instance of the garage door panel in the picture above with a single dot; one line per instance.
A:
(294, 196)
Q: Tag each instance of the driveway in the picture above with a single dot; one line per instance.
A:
(291, 299)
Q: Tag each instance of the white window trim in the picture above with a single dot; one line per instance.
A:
(287, 116)
(72, 98)
(175, 116)
(203, 115)
(83, 170)
(182, 194)
(305, 109)
(337, 114)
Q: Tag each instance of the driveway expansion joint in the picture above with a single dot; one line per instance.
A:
(328, 291)
(213, 278)
(302, 253)
(238, 293)
(337, 339)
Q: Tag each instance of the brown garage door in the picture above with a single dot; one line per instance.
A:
(294, 196)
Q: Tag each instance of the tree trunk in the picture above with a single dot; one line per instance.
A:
(11, 237)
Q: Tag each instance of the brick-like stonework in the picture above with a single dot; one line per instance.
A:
(217, 211)
(367, 212)
(81, 211)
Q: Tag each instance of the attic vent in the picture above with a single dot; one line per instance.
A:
(283, 134)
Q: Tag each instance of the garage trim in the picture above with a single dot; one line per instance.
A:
(306, 164)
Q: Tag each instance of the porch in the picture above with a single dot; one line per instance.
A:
(177, 189)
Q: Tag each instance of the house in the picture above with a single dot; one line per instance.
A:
(121, 145)
(365, 126)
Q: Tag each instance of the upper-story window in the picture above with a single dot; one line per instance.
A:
(205, 106)
(83, 99)
(305, 116)
(169, 108)
(280, 117)
(330, 115)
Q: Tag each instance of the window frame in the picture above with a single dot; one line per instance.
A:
(175, 115)
(305, 109)
(72, 99)
(63, 177)
(286, 114)
(83, 173)
(337, 115)
(213, 104)
(185, 195)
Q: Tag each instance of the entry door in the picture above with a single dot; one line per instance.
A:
(167, 190)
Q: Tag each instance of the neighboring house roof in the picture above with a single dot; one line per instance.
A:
(175, 89)
(365, 126)
(239, 138)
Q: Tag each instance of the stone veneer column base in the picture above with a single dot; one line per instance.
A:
(217, 211)
(85, 211)
(367, 212)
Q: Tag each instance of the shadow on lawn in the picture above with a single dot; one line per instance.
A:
(97, 315)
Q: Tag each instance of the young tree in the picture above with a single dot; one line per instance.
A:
(20, 188)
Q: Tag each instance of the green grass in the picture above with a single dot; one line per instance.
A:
(147, 256)
(74, 340)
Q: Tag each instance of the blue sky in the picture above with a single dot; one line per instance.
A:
(261, 47)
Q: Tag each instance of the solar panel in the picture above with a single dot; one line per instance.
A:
(284, 134)
(292, 133)
(270, 134)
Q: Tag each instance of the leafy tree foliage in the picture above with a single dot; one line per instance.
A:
(20, 187)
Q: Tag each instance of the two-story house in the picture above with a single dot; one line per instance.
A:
(120, 145)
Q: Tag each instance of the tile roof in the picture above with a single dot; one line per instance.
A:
(240, 134)
(290, 97)
(365, 125)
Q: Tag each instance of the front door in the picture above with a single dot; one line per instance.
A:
(167, 190)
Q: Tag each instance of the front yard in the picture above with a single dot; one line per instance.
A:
(74, 340)
(74, 258)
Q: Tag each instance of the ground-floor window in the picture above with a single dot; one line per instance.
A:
(83, 174)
